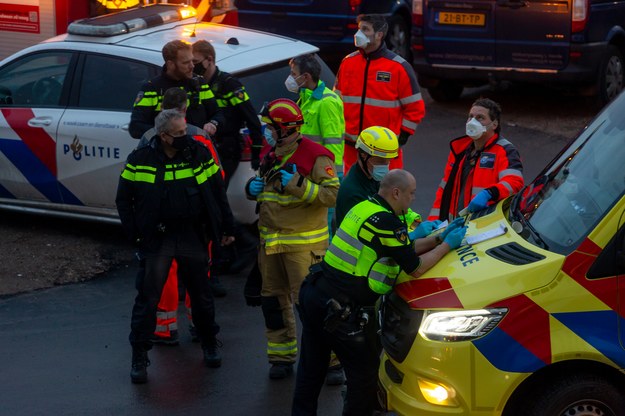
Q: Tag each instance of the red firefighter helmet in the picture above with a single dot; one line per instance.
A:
(282, 113)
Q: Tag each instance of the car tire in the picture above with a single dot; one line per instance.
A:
(445, 91)
(398, 36)
(611, 75)
(576, 394)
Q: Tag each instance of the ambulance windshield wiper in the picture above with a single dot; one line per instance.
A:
(517, 216)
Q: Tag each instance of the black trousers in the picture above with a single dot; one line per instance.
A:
(358, 355)
(191, 254)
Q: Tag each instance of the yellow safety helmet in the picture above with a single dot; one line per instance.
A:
(378, 141)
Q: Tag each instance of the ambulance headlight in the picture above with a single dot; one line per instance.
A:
(462, 325)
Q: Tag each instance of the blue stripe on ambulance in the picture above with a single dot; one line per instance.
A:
(505, 353)
(36, 173)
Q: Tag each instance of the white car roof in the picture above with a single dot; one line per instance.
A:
(258, 48)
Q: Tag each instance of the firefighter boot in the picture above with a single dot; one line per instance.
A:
(219, 291)
(212, 358)
(278, 371)
(140, 363)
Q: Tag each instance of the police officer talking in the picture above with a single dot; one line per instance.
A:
(171, 201)
(336, 301)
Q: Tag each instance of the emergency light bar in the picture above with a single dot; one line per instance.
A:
(131, 20)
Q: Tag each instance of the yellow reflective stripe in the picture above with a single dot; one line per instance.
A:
(311, 191)
(331, 182)
(178, 174)
(286, 348)
(149, 99)
(222, 103)
(205, 92)
(309, 237)
(282, 199)
(145, 177)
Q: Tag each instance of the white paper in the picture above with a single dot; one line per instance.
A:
(487, 235)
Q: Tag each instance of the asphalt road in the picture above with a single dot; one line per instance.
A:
(64, 351)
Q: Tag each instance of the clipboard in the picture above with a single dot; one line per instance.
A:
(487, 235)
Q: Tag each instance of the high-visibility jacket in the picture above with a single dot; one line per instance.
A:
(497, 167)
(294, 218)
(378, 89)
(372, 242)
(118, 4)
(323, 119)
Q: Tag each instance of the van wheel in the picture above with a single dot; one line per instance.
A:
(398, 37)
(611, 75)
(576, 395)
(445, 91)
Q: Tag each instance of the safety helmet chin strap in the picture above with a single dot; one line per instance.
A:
(364, 160)
(288, 132)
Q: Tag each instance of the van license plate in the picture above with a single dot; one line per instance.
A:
(466, 19)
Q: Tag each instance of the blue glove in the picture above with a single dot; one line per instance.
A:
(480, 201)
(256, 186)
(286, 176)
(423, 230)
(455, 224)
(454, 238)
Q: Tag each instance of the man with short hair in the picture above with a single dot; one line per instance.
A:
(202, 110)
(378, 88)
(172, 202)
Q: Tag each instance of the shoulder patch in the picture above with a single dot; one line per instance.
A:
(329, 170)
(139, 97)
(401, 234)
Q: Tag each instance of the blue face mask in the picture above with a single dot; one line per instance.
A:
(378, 172)
(269, 137)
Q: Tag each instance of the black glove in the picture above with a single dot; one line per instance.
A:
(403, 137)
(255, 157)
(253, 286)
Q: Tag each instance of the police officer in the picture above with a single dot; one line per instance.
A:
(171, 202)
(202, 110)
(234, 102)
(336, 303)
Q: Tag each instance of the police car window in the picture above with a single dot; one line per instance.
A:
(34, 80)
(111, 83)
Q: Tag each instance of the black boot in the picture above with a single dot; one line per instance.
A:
(212, 358)
(140, 363)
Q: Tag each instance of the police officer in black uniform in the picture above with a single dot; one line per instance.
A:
(235, 103)
(171, 201)
(202, 110)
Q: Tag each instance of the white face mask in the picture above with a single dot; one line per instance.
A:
(361, 40)
(474, 129)
(291, 84)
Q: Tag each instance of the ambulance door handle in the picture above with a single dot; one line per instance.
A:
(40, 122)
(125, 127)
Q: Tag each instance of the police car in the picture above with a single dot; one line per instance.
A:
(65, 104)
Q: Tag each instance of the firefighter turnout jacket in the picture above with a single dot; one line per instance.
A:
(192, 173)
(368, 251)
(323, 119)
(294, 218)
(378, 89)
(201, 104)
(497, 167)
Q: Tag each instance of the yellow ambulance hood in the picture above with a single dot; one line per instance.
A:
(473, 275)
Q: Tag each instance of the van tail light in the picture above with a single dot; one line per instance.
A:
(354, 4)
(417, 12)
(579, 17)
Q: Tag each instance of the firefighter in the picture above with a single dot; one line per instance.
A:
(202, 110)
(378, 88)
(295, 186)
(171, 202)
(336, 303)
(482, 167)
(109, 6)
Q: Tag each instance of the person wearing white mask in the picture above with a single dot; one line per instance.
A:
(378, 88)
(482, 167)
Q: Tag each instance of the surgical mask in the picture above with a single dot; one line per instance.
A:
(378, 172)
(269, 137)
(291, 84)
(474, 129)
(361, 40)
(199, 68)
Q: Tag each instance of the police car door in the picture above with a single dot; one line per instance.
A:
(33, 94)
(93, 138)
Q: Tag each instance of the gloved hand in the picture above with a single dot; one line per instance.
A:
(423, 230)
(455, 224)
(252, 287)
(454, 238)
(286, 176)
(256, 186)
(256, 156)
(479, 201)
(403, 137)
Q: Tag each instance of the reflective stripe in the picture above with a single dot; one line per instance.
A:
(434, 212)
(311, 191)
(309, 237)
(476, 190)
(411, 99)
(288, 348)
(166, 314)
(443, 184)
(282, 199)
(408, 124)
(511, 172)
(507, 186)
(350, 99)
(351, 137)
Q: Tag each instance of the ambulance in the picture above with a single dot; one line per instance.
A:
(526, 317)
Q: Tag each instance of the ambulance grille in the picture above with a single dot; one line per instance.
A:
(514, 253)
(399, 327)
